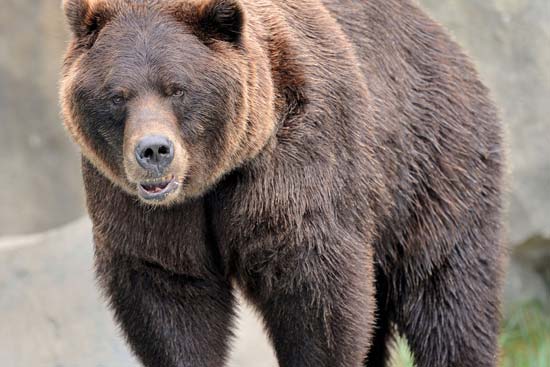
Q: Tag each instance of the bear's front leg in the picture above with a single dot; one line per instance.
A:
(162, 277)
(170, 320)
(317, 302)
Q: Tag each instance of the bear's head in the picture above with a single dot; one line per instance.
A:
(165, 97)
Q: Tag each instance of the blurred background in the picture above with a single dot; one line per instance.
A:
(51, 314)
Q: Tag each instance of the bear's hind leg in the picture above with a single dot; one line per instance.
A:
(317, 308)
(452, 319)
(379, 352)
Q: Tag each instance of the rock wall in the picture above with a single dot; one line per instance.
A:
(40, 186)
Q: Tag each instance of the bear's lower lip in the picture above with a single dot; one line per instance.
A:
(157, 190)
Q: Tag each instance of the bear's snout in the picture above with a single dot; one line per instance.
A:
(155, 153)
(156, 162)
(155, 159)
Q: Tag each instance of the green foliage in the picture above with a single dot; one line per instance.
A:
(525, 340)
(401, 354)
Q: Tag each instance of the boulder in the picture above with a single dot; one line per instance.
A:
(41, 186)
(52, 313)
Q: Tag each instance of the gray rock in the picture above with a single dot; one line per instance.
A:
(51, 314)
(529, 273)
(40, 186)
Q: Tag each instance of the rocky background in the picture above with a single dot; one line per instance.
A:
(40, 186)
(46, 291)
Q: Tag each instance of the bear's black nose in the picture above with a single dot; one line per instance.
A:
(155, 153)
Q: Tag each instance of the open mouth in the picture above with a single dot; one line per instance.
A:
(158, 189)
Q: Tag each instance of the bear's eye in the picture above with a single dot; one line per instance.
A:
(117, 100)
(178, 92)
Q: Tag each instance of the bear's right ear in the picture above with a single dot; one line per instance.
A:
(221, 20)
(86, 18)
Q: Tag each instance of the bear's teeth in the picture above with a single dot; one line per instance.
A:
(155, 188)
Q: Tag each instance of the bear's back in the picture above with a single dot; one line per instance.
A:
(439, 133)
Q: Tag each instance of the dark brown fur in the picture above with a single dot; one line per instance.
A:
(341, 164)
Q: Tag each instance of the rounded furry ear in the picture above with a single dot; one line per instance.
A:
(221, 20)
(86, 18)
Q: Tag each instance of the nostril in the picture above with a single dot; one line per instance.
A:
(149, 154)
(164, 150)
(154, 152)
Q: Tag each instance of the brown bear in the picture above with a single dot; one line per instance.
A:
(338, 161)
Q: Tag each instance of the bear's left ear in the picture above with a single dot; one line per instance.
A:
(221, 20)
(86, 18)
